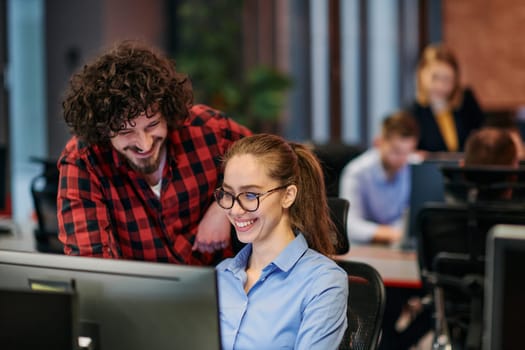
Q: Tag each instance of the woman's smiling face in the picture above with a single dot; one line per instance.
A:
(244, 173)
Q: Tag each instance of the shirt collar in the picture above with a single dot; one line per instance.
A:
(380, 173)
(284, 261)
(292, 253)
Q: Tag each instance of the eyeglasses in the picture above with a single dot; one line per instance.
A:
(249, 201)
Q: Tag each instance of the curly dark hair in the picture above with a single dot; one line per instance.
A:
(118, 86)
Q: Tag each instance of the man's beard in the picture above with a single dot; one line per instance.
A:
(149, 165)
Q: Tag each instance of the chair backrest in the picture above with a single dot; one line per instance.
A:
(334, 156)
(487, 183)
(452, 261)
(339, 208)
(45, 203)
(461, 228)
(44, 190)
(3, 178)
(366, 305)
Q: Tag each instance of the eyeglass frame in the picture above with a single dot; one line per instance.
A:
(236, 198)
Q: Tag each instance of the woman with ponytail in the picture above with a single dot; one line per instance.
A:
(282, 290)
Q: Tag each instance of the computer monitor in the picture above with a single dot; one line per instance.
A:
(426, 186)
(504, 288)
(127, 305)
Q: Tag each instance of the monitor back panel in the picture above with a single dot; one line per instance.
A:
(426, 186)
(505, 286)
(127, 304)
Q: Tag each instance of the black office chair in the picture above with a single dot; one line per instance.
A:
(366, 304)
(451, 256)
(44, 191)
(6, 226)
(339, 208)
(3, 177)
(334, 156)
(484, 183)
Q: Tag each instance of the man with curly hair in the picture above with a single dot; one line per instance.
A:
(137, 177)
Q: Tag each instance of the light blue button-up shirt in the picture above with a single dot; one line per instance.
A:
(374, 198)
(299, 301)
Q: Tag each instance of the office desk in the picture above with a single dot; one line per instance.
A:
(21, 236)
(397, 268)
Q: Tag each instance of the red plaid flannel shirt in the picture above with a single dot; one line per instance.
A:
(106, 209)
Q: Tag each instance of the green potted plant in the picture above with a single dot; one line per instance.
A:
(209, 50)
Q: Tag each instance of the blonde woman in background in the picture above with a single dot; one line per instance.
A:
(446, 112)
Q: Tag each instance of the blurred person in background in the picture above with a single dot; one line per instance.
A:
(377, 183)
(491, 151)
(511, 124)
(492, 146)
(446, 111)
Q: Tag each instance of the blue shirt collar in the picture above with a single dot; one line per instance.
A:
(284, 261)
(292, 253)
(380, 173)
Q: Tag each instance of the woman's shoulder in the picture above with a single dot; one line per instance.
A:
(469, 97)
(320, 265)
(417, 110)
(321, 274)
(364, 163)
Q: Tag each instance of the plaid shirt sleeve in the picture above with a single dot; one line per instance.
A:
(84, 225)
(230, 130)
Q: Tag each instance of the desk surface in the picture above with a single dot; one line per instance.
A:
(15, 236)
(398, 268)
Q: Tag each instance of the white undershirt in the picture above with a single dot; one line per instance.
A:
(156, 188)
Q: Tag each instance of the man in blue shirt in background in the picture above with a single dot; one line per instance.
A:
(377, 183)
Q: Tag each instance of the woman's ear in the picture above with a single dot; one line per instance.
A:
(289, 196)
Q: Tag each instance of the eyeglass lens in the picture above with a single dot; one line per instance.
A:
(248, 201)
